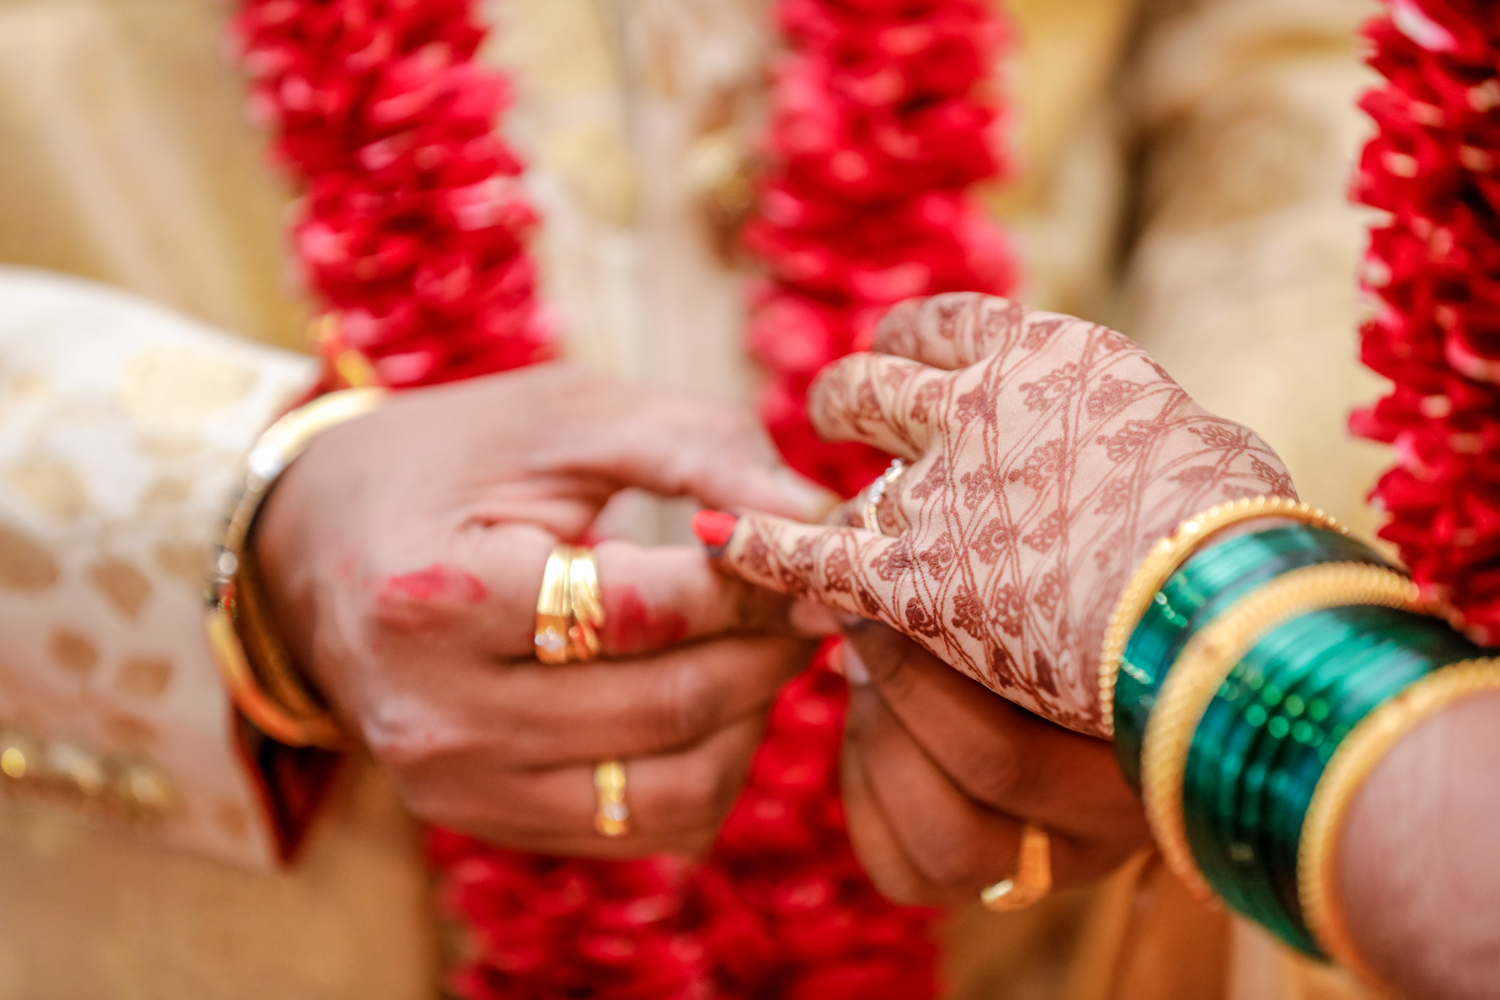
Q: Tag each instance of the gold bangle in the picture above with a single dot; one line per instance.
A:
(1164, 559)
(1206, 663)
(266, 687)
(263, 647)
(1352, 763)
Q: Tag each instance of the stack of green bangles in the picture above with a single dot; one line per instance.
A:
(1265, 677)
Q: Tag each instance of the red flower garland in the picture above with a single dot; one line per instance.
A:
(413, 230)
(1434, 265)
(880, 126)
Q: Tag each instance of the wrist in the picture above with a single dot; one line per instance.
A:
(251, 650)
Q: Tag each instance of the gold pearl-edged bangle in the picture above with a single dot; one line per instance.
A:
(1206, 663)
(1162, 561)
(262, 683)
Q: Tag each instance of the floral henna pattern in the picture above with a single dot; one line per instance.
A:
(1048, 454)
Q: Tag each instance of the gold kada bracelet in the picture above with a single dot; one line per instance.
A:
(1164, 559)
(262, 681)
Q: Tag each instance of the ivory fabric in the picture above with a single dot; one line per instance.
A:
(125, 426)
(1181, 178)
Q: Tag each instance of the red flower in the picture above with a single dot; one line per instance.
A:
(1432, 166)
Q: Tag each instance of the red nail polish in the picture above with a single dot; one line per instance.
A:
(714, 529)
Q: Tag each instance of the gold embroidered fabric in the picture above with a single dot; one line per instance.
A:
(123, 426)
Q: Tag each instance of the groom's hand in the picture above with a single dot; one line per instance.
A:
(404, 553)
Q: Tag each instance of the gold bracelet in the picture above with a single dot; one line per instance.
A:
(1164, 559)
(1206, 662)
(1352, 763)
(262, 682)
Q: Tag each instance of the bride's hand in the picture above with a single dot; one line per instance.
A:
(1048, 454)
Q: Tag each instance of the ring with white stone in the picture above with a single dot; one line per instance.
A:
(877, 491)
(612, 816)
(569, 607)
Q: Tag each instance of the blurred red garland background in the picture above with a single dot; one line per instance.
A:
(413, 230)
(1433, 267)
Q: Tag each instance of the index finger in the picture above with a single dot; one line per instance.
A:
(845, 568)
(482, 594)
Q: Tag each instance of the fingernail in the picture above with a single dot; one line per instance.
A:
(811, 501)
(855, 670)
(714, 528)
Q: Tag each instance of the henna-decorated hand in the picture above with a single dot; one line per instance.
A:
(1048, 455)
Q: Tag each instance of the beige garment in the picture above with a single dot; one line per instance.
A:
(127, 160)
(124, 427)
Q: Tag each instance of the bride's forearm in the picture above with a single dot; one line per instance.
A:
(1418, 875)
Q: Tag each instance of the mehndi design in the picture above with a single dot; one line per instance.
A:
(1048, 454)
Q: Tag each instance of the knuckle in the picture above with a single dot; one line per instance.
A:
(997, 779)
(402, 736)
(947, 857)
(708, 790)
(898, 887)
(683, 710)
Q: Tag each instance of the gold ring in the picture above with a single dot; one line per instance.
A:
(1033, 878)
(877, 491)
(612, 815)
(569, 608)
(588, 605)
(554, 607)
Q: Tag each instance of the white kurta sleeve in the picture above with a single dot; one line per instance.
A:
(122, 430)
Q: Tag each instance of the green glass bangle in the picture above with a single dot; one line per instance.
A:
(1201, 589)
(1376, 652)
(1412, 646)
(1223, 749)
(1265, 739)
(1260, 707)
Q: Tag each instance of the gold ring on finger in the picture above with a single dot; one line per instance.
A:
(569, 607)
(877, 491)
(1033, 878)
(611, 814)
(588, 605)
(554, 607)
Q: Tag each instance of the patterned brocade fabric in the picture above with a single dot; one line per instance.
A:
(125, 427)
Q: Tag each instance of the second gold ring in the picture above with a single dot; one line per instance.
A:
(1033, 878)
(611, 815)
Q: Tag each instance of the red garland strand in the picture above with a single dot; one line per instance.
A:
(413, 230)
(1434, 266)
(881, 124)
